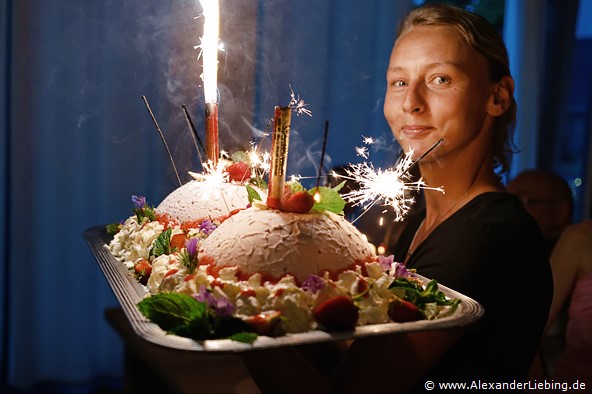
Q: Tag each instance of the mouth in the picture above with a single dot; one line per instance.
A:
(415, 131)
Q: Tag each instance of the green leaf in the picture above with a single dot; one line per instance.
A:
(244, 337)
(339, 187)
(147, 212)
(259, 182)
(252, 194)
(330, 200)
(113, 228)
(295, 186)
(162, 244)
(240, 155)
(183, 315)
(171, 310)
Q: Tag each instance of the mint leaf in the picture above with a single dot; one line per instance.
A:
(330, 199)
(240, 155)
(259, 182)
(244, 337)
(183, 315)
(340, 186)
(252, 194)
(295, 186)
(162, 244)
(171, 310)
(113, 228)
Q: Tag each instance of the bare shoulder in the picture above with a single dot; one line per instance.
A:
(578, 234)
(576, 243)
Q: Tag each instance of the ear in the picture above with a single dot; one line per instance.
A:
(501, 97)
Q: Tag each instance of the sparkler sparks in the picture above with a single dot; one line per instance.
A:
(260, 162)
(362, 151)
(369, 140)
(213, 173)
(297, 104)
(209, 49)
(392, 186)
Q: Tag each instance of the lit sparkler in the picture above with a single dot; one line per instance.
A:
(260, 162)
(209, 54)
(213, 176)
(392, 186)
(279, 155)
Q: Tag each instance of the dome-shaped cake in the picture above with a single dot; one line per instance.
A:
(275, 243)
(195, 201)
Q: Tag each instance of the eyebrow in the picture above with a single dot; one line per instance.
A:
(430, 66)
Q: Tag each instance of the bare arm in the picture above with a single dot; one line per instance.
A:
(372, 364)
(369, 365)
(572, 252)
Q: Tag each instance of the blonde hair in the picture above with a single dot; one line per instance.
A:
(475, 31)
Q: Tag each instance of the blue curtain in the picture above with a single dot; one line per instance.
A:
(77, 141)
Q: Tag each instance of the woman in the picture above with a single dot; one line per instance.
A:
(448, 78)
(571, 262)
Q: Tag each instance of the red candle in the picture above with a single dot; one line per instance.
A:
(212, 141)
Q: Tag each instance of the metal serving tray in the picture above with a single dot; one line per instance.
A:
(129, 292)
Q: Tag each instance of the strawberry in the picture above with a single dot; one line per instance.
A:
(239, 171)
(400, 310)
(337, 313)
(142, 269)
(265, 323)
(178, 241)
(299, 202)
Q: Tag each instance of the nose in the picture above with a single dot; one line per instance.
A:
(414, 99)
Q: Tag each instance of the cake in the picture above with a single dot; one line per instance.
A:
(196, 201)
(278, 272)
(274, 244)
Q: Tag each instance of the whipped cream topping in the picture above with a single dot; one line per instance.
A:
(277, 243)
(134, 240)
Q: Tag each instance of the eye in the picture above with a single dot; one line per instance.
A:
(397, 83)
(441, 80)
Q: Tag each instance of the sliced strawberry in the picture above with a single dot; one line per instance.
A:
(171, 272)
(238, 172)
(299, 202)
(337, 313)
(189, 277)
(401, 311)
(178, 241)
(142, 270)
(248, 293)
(265, 323)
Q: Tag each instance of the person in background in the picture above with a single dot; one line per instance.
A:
(571, 262)
(448, 78)
(547, 197)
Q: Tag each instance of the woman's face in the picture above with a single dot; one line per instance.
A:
(437, 87)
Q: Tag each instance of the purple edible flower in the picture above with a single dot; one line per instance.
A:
(207, 227)
(401, 271)
(386, 263)
(191, 245)
(139, 201)
(221, 306)
(313, 283)
(224, 307)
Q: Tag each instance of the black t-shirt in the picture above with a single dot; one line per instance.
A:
(492, 251)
